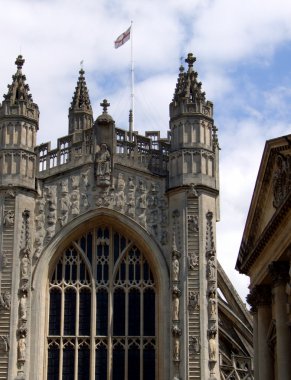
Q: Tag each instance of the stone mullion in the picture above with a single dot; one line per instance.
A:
(193, 338)
(6, 278)
(93, 309)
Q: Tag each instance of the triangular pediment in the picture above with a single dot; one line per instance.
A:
(271, 192)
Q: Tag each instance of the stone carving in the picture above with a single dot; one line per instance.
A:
(39, 226)
(3, 260)
(194, 345)
(193, 223)
(210, 248)
(175, 268)
(130, 198)
(75, 203)
(85, 200)
(164, 237)
(212, 308)
(23, 306)
(64, 203)
(24, 266)
(142, 203)
(51, 212)
(8, 218)
(85, 178)
(4, 343)
(211, 268)
(193, 261)
(5, 300)
(176, 349)
(281, 179)
(212, 343)
(21, 347)
(75, 180)
(119, 195)
(194, 301)
(192, 192)
(175, 307)
(103, 166)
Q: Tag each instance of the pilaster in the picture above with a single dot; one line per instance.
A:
(279, 273)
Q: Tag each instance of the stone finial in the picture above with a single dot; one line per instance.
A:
(81, 100)
(105, 105)
(19, 62)
(190, 60)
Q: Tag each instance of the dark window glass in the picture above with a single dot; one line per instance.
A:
(134, 312)
(55, 312)
(89, 246)
(85, 312)
(119, 313)
(146, 271)
(149, 312)
(70, 312)
(53, 363)
(148, 363)
(68, 363)
(118, 363)
(102, 312)
(83, 243)
(84, 363)
(116, 246)
(134, 363)
(59, 274)
(101, 363)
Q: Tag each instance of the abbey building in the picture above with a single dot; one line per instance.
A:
(108, 266)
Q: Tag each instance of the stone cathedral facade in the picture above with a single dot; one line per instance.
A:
(108, 266)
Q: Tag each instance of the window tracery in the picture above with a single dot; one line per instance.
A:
(102, 303)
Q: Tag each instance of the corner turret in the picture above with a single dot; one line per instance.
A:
(80, 112)
(194, 144)
(19, 118)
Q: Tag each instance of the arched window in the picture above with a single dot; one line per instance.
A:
(102, 303)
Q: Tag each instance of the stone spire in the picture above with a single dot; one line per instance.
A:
(188, 86)
(80, 112)
(18, 90)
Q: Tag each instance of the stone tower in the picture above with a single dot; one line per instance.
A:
(193, 206)
(108, 264)
(18, 126)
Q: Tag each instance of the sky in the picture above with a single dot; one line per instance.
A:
(243, 50)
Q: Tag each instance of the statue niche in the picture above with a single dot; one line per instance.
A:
(103, 166)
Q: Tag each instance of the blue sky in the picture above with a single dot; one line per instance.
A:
(243, 50)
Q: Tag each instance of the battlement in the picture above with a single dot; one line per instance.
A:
(149, 152)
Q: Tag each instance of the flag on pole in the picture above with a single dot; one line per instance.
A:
(124, 37)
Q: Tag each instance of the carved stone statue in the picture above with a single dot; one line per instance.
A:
(75, 203)
(212, 349)
(21, 348)
(194, 345)
(176, 349)
(3, 260)
(103, 165)
(194, 301)
(193, 261)
(193, 223)
(175, 268)
(211, 268)
(5, 300)
(23, 306)
(24, 266)
(8, 219)
(176, 305)
(212, 307)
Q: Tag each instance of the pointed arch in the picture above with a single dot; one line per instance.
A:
(137, 239)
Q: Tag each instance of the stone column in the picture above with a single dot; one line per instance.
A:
(279, 273)
(260, 300)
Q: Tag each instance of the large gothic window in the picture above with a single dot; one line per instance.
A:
(102, 301)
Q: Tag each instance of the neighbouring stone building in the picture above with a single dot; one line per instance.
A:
(108, 266)
(265, 255)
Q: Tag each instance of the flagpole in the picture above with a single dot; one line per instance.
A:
(131, 124)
